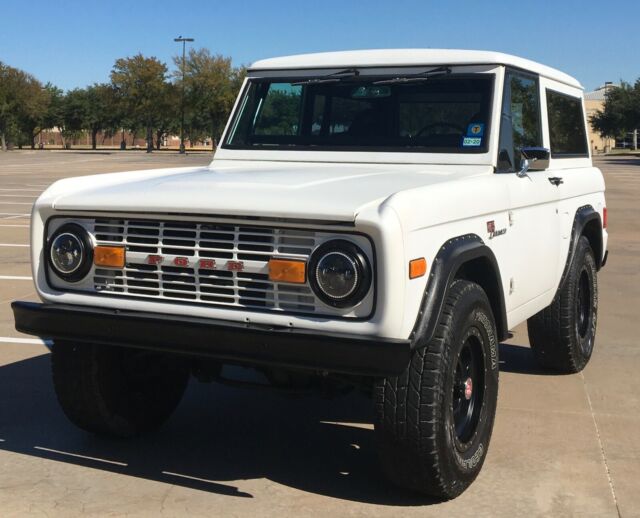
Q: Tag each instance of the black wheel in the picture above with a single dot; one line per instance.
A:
(116, 391)
(433, 422)
(562, 335)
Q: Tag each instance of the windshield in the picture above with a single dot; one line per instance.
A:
(448, 113)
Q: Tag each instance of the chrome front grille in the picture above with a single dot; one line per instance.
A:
(228, 245)
(217, 264)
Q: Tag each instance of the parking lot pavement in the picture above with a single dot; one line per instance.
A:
(562, 445)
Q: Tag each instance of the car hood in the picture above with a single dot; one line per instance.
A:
(329, 191)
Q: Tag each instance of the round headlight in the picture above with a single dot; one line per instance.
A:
(339, 273)
(70, 252)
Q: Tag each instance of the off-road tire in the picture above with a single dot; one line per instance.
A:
(116, 391)
(415, 427)
(562, 335)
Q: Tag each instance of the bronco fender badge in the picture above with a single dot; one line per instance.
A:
(491, 228)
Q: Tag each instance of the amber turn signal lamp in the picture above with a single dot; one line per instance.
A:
(281, 270)
(605, 219)
(417, 268)
(111, 256)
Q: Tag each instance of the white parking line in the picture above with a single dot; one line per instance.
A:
(27, 341)
(77, 455)
(13, 215)
(28, 190)
(15, 278)
(14, 244)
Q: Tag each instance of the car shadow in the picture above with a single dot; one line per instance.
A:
(217, 435)
(519, 359)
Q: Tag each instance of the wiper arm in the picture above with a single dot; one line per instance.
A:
(336, 77)
(412, 78)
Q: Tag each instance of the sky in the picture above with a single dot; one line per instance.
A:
(73, 44)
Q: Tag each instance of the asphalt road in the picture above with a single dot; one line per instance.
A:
(562, 445)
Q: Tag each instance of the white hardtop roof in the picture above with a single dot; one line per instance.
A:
(409, 57)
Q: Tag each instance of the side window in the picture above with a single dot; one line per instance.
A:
(520, 124)
(566, 126)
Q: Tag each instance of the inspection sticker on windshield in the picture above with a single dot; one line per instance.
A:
(475, 129)
(471, 141)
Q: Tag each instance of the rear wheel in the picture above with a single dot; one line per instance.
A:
(434, 421)
(562, 335)
(116, 391)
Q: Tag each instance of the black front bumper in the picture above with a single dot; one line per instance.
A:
(220, 339)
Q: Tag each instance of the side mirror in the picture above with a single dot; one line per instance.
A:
(537, 158)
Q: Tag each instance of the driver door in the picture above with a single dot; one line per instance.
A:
(534, 223)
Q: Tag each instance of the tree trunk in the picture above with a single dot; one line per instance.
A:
(149, 139)
(33, 140)
(4, 141)
(94, 138)
(159, 139)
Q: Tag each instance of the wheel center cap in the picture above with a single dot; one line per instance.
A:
(468, 389)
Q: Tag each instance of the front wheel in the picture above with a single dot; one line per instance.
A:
(434, 421)
(116, 391)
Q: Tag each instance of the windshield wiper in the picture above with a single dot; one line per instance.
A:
(412, 78)
(336, 77)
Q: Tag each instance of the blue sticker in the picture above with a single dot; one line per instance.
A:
(475, 129)
(472, 141)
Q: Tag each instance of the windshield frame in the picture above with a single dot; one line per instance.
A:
(227, 155)
(286, 76)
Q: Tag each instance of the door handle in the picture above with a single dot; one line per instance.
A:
(556, 180)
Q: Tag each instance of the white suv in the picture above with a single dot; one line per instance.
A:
(373, 218)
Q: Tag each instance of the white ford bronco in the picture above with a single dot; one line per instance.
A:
(378, 219)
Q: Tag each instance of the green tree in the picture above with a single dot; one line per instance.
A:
(23, 102)
(53, 117)
(140, 83)
(7, 102)
(101, 111)
(74, 115)
(168, 120)
(621, 112)
(211, 85)
(31, 112)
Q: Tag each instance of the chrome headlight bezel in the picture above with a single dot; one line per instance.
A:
(76, 233)
(355, 256)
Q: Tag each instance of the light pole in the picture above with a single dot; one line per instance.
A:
(184, 43)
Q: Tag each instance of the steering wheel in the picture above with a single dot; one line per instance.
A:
(438, 125)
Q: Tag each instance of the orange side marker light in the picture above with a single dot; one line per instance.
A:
(282, 270)
(111, 256)
(417, 268)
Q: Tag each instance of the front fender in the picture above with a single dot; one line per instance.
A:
(450, 258)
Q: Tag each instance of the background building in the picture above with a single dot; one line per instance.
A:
(594, 102)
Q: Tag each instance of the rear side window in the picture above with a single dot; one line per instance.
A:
(566, 126)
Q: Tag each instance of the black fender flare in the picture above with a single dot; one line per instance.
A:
(448, 261)
(583, 217)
